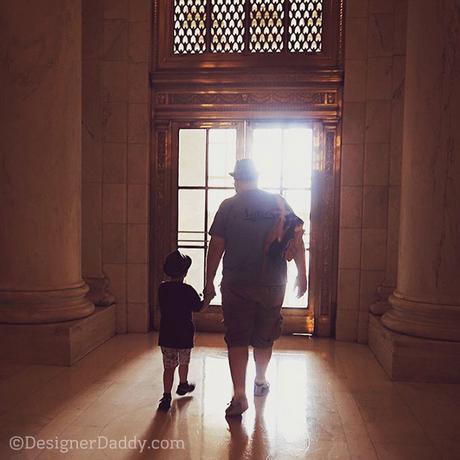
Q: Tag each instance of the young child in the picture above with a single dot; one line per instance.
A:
(177, 301)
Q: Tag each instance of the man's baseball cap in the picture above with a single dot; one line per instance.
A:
(245, 169)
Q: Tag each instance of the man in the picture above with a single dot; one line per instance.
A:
(249, 229)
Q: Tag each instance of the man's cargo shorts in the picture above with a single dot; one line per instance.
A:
(252, 314)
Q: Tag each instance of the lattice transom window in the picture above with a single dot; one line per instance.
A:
(305, 25)
(227, 26)
(189, 26)
(254, 26)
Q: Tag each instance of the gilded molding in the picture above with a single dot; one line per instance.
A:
(246, 98)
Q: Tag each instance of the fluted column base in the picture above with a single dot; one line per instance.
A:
(45, 306)
(421, 319)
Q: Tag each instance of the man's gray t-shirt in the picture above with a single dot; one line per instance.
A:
(244, 221)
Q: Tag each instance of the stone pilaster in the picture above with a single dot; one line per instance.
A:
(382, 304)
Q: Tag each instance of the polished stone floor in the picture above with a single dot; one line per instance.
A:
(328, 400)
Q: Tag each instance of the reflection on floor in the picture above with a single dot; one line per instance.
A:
(328, 400)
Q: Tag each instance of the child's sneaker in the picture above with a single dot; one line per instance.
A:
(184, 388)
(165, 402)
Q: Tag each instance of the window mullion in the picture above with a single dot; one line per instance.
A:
(247, 24)
(208, 26)
(286, 24)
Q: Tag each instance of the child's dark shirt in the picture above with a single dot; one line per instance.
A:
(177, 301)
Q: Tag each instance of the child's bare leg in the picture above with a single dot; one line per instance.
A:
(183, 373)
(168, 378)
(184, 387)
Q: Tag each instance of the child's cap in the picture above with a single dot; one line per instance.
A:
(176, 264)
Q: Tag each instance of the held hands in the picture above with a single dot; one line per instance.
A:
(209, 292)
(300, 285)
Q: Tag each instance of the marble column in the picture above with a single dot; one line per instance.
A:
(426, 302)
(40, 168)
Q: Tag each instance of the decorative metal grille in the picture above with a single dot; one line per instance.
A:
(305, 26)
(255, 26)
(266, 29)
(227, 26)
(189, 26)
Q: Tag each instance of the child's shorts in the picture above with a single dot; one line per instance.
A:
(174, 356)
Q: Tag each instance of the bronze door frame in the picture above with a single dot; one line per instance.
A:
(324, 215)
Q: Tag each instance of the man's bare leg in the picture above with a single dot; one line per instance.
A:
(238, 361)
(262, 358)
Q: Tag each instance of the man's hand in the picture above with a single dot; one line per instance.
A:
(209, 293)
(300, 262)
(215, 252)
(301, 284)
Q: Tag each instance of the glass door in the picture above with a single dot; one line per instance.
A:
(206, 155)
(283, 154)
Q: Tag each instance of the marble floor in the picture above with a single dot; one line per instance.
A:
(328, 400)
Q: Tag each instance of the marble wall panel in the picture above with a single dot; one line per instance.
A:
(138, 317)
(375, 206)
(350, 248)
(114, 243)
(137, 283)
(137, 243)
(138, 164)
(347, 325)
(355, 80)
(115, 159)
(137, 204)
(351, 207)
(356, 39)
(114, 203)
(348, 289)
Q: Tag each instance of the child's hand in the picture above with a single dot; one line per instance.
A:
(206, 302)
(209, 291)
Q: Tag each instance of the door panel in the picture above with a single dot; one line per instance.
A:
(296, 159)
(283, 156)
